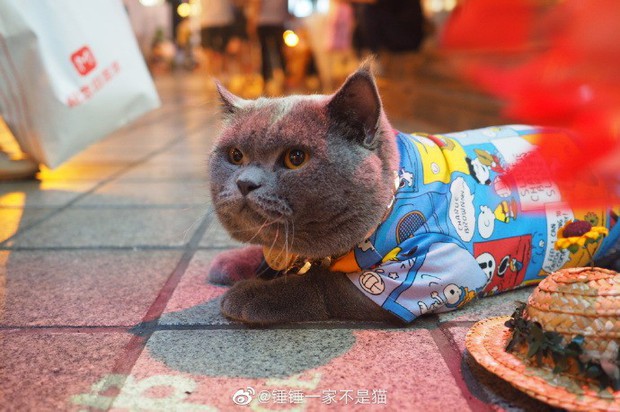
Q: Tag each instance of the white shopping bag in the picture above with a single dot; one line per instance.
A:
(70, 73)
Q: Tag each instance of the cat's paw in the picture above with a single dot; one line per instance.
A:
(245, 302)
(234, 265)
(280, 300)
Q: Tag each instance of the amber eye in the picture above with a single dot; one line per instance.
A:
(295, 158)
(235, 156)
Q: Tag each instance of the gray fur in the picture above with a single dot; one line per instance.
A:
(324, 208)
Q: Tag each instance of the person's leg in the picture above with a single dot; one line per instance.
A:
(278, 39)
(224, 37)
(210, 43)
(264, 39)
(275, 43)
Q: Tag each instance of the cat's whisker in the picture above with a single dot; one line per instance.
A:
(201, 217)
(252, 228)
(286, 237)
(264, 225)
(286, 245)
(275, 239)
(292, 234)
(285, 249)
(265, 269)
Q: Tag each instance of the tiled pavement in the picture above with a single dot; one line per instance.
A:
(104, 303)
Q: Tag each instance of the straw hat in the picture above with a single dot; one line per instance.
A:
(570, 302)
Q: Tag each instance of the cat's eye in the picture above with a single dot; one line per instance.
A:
(295, 158)
(235, 156)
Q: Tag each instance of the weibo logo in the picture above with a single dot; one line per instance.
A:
(84, 60)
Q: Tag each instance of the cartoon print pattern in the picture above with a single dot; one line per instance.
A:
(458, 230)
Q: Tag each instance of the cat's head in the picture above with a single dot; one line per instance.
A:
(309, 174)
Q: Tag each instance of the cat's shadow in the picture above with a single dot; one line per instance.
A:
(200, 341)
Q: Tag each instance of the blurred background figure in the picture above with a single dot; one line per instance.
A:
(267, 20)
(244, 78)
(162, 52)
(366, 39)
(341, 59)
(184, 54)
(351, 30)
(216, 25)
(151, 24)
(330, 36)
(390, 29)
(272, 46)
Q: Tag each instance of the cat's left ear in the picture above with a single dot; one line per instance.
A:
(230, 102)
(357, 103)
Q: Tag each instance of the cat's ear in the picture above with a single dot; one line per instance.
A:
(357, 103)
(230, 102)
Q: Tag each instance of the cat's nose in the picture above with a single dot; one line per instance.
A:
(247, 185)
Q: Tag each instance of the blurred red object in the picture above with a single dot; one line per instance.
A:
(556, 64)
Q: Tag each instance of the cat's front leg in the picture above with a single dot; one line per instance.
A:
(234, 265)
(318, 295)
(288, 298)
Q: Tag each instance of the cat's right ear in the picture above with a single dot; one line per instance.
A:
(358, 104)
(230, 103)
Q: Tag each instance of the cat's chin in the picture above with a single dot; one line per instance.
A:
(247, 221)
(274, 234)
(311, 246)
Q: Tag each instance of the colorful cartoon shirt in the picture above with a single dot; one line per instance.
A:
(457, 230)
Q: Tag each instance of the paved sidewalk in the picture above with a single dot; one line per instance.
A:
(104, 303)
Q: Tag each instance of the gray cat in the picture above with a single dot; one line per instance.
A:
(323, 208)
(362, 222)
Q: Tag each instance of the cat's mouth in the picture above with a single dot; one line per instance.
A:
(269, 207)
(257, 214)
(270, 222)
(256, 207)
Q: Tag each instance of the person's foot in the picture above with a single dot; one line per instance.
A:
(16, 169)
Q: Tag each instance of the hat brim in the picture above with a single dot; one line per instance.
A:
(486, 342)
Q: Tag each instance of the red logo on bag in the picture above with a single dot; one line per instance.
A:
(84, 60)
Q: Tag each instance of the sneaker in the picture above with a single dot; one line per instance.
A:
(17, 169)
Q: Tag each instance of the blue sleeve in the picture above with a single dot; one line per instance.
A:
(429, 273)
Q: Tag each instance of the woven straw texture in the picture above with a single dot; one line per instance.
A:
(581, 301)
(486, 341)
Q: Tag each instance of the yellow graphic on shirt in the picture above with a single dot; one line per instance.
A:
(505, 211)
(391, 255)
(596, 217)
(557, 217)
(441, 156)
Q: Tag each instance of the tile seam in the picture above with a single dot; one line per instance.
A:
(67, 329)
(131, 352)
(137, 343)
(104, 248)
(151, 327)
